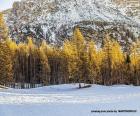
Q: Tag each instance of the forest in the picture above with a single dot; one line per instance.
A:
(77, 61)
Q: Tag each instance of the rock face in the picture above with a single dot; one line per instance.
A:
(129, 7)
(54, 20)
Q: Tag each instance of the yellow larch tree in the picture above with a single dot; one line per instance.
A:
(6, 64)
(70, 54)
(107, 60)
(93, 62)
(135, 62)
(117, 63)
(3, 28)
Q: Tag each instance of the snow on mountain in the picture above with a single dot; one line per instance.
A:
(68, 100)
(129, 8)
(54, 20)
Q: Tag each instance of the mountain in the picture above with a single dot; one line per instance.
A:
(54, 20)
(129, 8)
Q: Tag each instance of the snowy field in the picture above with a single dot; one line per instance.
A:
(68, 100)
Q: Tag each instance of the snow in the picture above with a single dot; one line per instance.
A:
(54, 14)
(61, 100)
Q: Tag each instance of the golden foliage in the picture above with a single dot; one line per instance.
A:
(3, 28)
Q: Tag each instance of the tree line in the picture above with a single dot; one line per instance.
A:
(78, 61)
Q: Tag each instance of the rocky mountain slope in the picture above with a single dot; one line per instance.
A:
(129, 8)
(54, 20)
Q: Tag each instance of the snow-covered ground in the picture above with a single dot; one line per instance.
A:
(68, 100)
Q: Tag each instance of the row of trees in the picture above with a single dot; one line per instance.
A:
(107, 65)
(77, 60)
